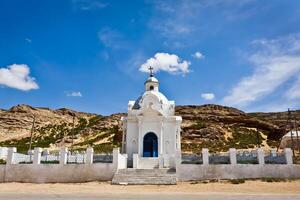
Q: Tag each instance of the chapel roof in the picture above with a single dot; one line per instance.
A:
(151, 79)
(160, 96)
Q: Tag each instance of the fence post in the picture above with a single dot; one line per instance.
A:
(232, 155)
(116, 152)
(37, 155)
(3, 153)
(178, 157)
(10, 155)
(288, 156)
(261, 156)
(205, 156)
(89, 155)
(63, 156)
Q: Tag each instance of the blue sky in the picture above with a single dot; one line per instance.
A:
(91, 55)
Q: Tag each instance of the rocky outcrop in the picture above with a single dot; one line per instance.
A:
(214, 126)
(17, 121)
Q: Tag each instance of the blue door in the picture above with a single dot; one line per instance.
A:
(150, 145)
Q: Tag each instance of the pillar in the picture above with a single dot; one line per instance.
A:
(63, 156)
(10, 155)
(232, 156)
(205, 156)
(160, 161)
(261, 156)
(178, 158)
(273, 152)
(135, 161)
(161, 150)
(288, 156)
(89, 155)
(3, 153)
(139, 139)
(37, 155)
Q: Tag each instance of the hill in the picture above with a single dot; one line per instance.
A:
(212, 126)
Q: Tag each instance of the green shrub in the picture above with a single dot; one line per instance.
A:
(243, 138)
(50, 162)
(25, 162)
(2, 162)
(237, 181)
(270, 180)
(247, 161)
(199, 125)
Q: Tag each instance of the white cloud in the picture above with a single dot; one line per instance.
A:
(170, 63)
(86, 5)
(294, 91)
(208, 96)
(17, 76)
(112, 39)
(198, 55)
(28, 40)
(276, 62)
(185, 21)
(74, 94)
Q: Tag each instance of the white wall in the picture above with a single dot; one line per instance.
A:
(187, 172)
(56, 173)
(61, 173)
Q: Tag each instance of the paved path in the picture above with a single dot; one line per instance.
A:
(16, 196)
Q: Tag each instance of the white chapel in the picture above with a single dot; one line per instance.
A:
(151, 131)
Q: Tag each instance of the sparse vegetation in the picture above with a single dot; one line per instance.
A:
(2, 162)
(51, 134)
(50, 162)
(269, 180)
(209, 126)
(247, 161)
(199, 125)
(24, 162)
(243, 138)
(237, 181)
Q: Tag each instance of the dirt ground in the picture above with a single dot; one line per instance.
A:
(249, 187)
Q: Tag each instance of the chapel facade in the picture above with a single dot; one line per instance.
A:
(151, 131)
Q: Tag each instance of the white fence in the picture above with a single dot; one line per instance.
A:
(237, 164)
(60, 167)
(66, 167)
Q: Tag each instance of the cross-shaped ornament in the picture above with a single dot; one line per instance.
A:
(151, 71)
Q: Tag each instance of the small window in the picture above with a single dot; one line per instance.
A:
(151, 87)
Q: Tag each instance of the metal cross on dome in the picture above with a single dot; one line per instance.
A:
(151, 71)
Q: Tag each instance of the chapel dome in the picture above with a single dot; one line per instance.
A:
(152, 96)
(151, 79)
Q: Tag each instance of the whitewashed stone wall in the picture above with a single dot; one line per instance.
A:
(62, 172)
(188, 172)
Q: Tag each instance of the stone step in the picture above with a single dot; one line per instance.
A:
(145, 176)
(147, 171)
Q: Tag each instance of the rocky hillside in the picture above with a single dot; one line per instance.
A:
(212, 126)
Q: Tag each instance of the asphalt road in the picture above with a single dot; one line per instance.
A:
(17, 196)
